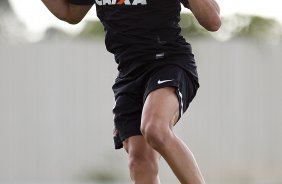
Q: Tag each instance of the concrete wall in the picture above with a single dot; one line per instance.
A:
(56, 120)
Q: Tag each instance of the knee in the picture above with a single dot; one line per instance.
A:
(141, 163)
(156, 134)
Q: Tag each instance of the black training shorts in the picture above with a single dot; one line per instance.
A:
(131, 92)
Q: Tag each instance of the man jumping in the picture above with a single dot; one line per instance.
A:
(157, 77)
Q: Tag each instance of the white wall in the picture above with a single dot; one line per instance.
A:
(56, 120)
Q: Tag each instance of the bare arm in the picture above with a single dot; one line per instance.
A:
(207, 12)
(65, 11)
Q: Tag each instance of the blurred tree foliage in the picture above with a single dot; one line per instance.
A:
(259, 28)
(5, 3)
(233, 27)
(191, 28)
(188, 23)
(249, 27)
(92, 29)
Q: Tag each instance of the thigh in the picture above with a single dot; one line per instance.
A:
(168, 94)
(161, 105)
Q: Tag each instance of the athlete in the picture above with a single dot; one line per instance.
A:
(157, 77)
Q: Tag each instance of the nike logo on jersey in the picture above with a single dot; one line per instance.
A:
(121, 2)
(163, 81)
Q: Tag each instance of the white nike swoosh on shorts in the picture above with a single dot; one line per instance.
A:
(163, 81)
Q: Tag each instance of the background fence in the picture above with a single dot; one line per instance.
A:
(56, 120)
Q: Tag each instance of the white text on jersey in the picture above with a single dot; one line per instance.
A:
(120, 2)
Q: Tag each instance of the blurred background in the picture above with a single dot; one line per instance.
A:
(56, 99)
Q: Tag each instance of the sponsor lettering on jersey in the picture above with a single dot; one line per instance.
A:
(121, 2)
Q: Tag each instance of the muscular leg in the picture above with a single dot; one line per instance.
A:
(143, 161)
(160, 113)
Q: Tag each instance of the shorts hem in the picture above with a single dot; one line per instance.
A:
(118, 144)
